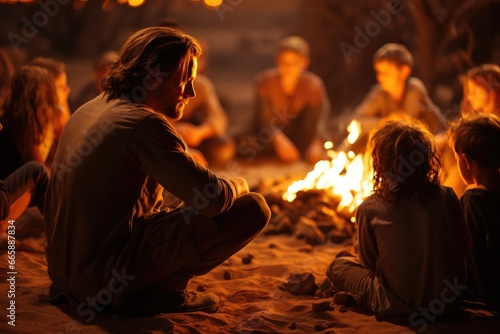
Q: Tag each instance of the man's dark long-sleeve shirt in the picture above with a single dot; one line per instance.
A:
(112, 163)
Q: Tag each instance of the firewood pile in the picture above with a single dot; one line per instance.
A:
(312, 216)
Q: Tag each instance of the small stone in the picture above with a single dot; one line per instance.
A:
(279, 225)
(321, 306)
(338, 236)
(308, 229)
(271, 245)
(306, 250)
(325, 289)
(247, 259)
(227, 275)
(342, 309)
(275, 209)
(301, 284)
(343, 299)
(201, 288)
(321, 326)
(292, 326)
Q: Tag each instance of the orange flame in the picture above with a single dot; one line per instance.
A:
(346, 175)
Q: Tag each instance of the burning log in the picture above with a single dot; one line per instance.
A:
(321, 206)
(310, 217)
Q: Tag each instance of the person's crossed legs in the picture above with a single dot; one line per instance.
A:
(174, 247)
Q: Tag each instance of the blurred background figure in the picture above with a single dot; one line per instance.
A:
(61, 113)
(6, 72)
(93, 88)
(482, 90)
(291, 106)
(29, 131)
(396, 95)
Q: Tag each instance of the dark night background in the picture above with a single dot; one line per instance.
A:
(447, 37)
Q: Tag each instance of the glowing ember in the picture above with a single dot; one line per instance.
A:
(328, 145)
(354, 129)
(347, 176)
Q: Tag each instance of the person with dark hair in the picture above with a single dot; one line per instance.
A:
(104, 226)
(475, 139)
(292, 105)
(412, 235)
(396, 95)
(28, 132)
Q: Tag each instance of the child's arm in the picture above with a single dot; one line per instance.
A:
(368, 112)
(367, 245)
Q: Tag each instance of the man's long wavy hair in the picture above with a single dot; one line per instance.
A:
(405, 161)
(29, 109)
(147, 51)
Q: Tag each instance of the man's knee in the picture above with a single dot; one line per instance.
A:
(255, 206)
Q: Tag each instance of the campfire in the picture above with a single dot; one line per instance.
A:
(321, 206)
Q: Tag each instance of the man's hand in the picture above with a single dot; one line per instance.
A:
(284, 148)
(240, 184)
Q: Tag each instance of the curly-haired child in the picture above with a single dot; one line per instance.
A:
(412, 236)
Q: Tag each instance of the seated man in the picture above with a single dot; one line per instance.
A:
(291, 108)
(109, 246)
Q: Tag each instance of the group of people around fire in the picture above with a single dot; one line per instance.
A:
(152, 124)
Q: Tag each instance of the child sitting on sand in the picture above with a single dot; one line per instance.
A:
(412, 236)
(475, 139)
(291, 108)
